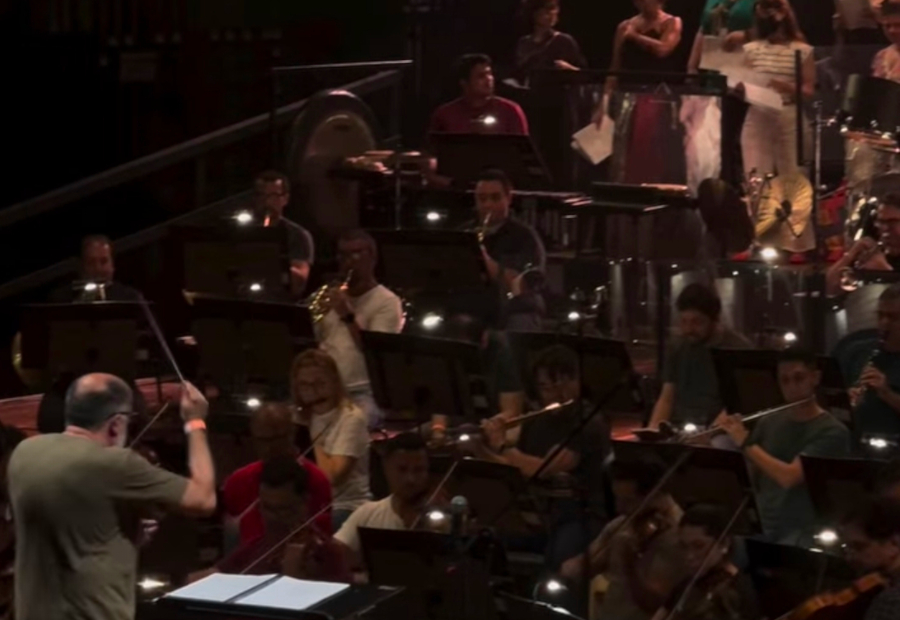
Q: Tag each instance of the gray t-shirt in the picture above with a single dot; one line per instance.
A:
(348, 436)
(691, 369)
(77, 508)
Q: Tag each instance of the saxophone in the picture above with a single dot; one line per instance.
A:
(318, 301)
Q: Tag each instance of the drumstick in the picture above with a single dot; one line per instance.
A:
(162, 340)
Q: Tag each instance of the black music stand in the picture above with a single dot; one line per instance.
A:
(748, 380)
(414, 377)
(243, 342)
(708, 476)
(837, 485)
(81, 338)
(462, 157)
(786, 576)
(232, 260)
(439, 261)
(604, 363)
(427, 565)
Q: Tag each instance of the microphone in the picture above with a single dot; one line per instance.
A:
(459, 517)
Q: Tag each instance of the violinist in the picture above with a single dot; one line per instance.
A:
(871, 537)
(722, 592)
(558, 380)
(77, 495)
(284, 505)
(405, 462)
(642, 561)
(774, 446)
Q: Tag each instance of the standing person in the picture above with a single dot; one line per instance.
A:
(76, 497)
(271, 194)
(774, 446)
(273, 432)
(722, 592)
(545, 47)
(365, 305)
(649, 144)
(886, 64)
(478, 109)
(339, 430)
(690, 391)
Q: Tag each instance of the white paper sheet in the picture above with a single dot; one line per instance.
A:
(288, 593)
(595, 144)
(219, 588)
(715, 58)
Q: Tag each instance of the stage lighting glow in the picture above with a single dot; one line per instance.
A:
(790, 337)
(574, 316)
(253, 402)
(256, 287)
(90, 287)
(489, 120)
(690, 428)
(432, 321)
(878, 443)
(433, 216)
(436, 516)
(553, 586)
(149, 583)
(769, 254)
(243, 218)
(465, 437)
(827, 537)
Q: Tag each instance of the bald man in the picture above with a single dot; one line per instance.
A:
(77, 495)
(273, 431)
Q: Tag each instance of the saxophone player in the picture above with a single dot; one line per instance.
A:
(362, 305)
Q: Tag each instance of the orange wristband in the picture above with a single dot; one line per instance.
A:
(194, 425)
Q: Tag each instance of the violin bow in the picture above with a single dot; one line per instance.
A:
(437, 490)
(287, 538)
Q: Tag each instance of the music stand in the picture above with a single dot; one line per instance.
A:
(440, 261)
(233, 261)
(463, 157)
(414, 377)
(838, 485)
(786, 576)
(81, 338)
(603, 365)
(708, 476)
(243, 342)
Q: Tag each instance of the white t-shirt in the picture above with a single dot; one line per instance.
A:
(377, 515)
(378, 310)
(348, 436)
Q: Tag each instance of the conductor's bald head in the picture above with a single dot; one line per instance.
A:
(100, 403)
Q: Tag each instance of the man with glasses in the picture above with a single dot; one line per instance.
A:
(77, 498)
(272, 193)
(363, 305)
(865, 253)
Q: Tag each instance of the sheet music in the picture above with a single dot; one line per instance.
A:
(595, 144)
(289, 593)
(715, 58)
(219, 588)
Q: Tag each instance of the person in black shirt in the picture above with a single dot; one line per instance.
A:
(580, 465)
(722, 592)
(865, 253)
(96, 276)
(272, 191)
(545, 47)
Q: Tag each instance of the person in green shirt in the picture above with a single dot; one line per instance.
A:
(774, 446)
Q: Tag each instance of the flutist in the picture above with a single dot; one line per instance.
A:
(873, 368)
(774, 446)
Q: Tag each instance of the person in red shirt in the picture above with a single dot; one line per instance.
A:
(478, 110)
(272, 430)
(308, 553)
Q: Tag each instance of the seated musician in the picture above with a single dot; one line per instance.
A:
(273, 431)
(865, 254)
(870, 534)
(886, 64)
(722, 591)
(272, 193)
(872, 367)
(338, 428)
(366, 305)
(775, 444)
(510, 248)
(405, 462)
(643, 561)
(558, 380)
(284, 505)
(97, 266)
(478, 110)
(690, 391)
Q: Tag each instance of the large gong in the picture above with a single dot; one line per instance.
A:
(332, 126)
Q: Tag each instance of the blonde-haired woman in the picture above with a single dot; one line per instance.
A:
(339, 430)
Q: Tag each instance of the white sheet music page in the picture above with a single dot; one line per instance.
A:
(219, 588)
(289, 593)
(595, 144)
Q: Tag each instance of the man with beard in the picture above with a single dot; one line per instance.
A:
(690, 392)
(76, 498)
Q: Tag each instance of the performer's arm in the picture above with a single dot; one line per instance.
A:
(666, 44)
(662, 410)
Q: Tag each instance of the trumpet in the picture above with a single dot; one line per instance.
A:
(318, 301)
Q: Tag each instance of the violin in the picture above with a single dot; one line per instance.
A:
(850, 603)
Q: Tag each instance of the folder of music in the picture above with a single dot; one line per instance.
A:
(275, 592)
